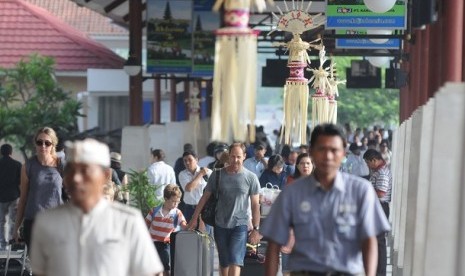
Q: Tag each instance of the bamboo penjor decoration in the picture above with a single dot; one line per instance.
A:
(333, 92)
(194, 112)
(235, 72)
(296, 89)
(320, 102)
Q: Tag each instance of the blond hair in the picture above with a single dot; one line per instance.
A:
(53, 136)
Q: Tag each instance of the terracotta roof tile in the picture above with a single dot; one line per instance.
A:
(81, 18)
(25, 29)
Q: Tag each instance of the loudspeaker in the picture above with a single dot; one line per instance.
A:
(395, 78)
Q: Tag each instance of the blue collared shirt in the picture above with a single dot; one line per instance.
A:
(329, 226)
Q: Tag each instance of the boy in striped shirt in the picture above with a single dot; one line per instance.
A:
(164, 219)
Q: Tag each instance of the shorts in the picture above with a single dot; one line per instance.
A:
(231, 244)
(163, 250)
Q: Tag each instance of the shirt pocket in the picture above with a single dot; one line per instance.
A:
(306, 227)
(346, 226)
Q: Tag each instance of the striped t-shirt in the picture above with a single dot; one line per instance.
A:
(382, 181)
(161, 226)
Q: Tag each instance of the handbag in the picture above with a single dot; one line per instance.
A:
(208, 212)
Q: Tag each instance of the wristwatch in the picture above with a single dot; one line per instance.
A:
(256, 228)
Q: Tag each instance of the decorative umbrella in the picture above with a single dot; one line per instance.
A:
(235, 72)
(297, 20)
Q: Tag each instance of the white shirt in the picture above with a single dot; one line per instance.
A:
(192, 197)
(205, 161)
(356, 165)
(160, 174)
(257, 167)
(111, 240)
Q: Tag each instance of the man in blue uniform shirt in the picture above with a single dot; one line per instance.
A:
(335, 216)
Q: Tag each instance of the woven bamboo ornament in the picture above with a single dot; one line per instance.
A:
(332, 93)
(235, 73)
(296, 91)
(194, 112)
(320, 102)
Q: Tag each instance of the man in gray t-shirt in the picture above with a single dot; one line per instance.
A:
(236, 185)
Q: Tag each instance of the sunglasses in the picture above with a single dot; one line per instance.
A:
(40, 143)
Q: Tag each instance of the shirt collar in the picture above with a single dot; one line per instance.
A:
(96, 210)
(338, 182)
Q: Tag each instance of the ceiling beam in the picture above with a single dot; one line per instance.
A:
(108, 8)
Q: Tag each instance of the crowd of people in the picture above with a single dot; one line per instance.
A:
(325, 219)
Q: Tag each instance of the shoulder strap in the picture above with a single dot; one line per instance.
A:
(217, 182)
(176, 217)
(155, 210)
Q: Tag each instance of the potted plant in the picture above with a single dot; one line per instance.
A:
(141, 192)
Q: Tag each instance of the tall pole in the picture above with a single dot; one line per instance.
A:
(135, 50)
(453, 39)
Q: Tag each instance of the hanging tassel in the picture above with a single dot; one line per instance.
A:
(320, 107)
(234, 84)
(332, 110)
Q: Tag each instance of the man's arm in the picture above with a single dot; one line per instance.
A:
(190, 186)
(370, 255)
(272, 258)
(255, 205)
(193, 222)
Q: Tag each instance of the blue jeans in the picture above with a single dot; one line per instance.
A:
(163, 250)
(7, 221)
(231, 244)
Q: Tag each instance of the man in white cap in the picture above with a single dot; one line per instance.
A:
(89, 235)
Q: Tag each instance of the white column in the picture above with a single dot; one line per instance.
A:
(443, 231)
(418, 236)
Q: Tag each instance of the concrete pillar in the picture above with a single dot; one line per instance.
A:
(446, 176)
(419, 214)
(412, 190)
(398, 165)
(403, 197)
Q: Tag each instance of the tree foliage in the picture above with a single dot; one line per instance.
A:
(31, 98)
(366, 107)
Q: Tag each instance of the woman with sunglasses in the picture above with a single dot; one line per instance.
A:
(41, 182)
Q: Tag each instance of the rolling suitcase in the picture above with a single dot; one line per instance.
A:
(192, 254)
(13, 261)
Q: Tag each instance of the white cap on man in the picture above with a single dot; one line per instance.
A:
(88, 151)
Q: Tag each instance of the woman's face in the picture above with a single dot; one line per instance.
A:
(43, 144)
(277, 169)
(305, 166)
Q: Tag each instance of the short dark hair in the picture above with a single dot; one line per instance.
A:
(326, 130)
(371, 154)
(385, 141)
(6, 150)
(372, 142)
(189, 152)
(275, 160)
(159, 154)
(188, 147)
